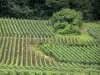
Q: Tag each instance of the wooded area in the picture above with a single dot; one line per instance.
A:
(43, 9)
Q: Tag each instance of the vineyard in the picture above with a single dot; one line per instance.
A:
(84, 55)
(12, 27)
(95, 32)
(29, 47)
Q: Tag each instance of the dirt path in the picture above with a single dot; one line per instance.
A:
(47, 58)
(84, 30)
(16, 49)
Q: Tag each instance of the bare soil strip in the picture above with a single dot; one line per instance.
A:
(29, 58)
(7, 51)
(24, 53)
(16, 49)
(11, 50)
(19, 58)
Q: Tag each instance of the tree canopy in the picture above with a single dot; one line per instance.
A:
(67, 21)
(44, 9)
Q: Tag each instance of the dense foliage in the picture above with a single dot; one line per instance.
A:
(68, 20)
(43, 9)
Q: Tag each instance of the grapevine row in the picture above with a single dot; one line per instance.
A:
(21, 27)
(17, 51)
(76, 54)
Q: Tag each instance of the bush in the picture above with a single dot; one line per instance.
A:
(69, 31)
(68, 20)
(59, 25)
(67, 15)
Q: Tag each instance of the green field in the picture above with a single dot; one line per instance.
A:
(29, 47)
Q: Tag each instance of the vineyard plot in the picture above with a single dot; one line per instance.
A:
(28, 46)
(76, 54)
(17, 51)
(95, 32)
(28, 28)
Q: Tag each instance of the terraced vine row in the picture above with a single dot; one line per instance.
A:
(76, 54)
(93, 43)
(17, 51)
(21, 27)
(95, 32)
(70, 41)
(38, 29)
(7, 70)
(58, 40)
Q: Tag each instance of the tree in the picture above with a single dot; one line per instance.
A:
(67, 21)
(56, 4)
(84, 6)
(4, 7)
(96, 9)
(44, 9)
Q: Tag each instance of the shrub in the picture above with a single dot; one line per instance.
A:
(59, 25)
(67, 19)
(67, 15)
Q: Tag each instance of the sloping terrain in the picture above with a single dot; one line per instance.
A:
(29, 47)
